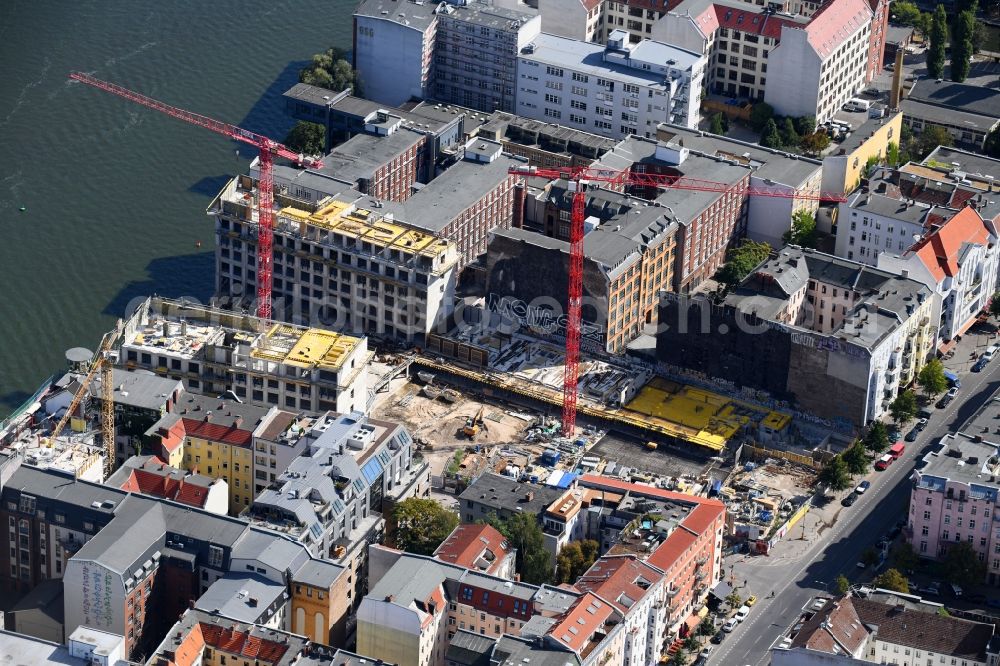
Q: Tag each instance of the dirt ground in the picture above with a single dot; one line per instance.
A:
(440, 424)
(790, 480)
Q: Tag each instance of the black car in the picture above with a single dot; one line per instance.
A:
(718, 637)
(943, 402)
(850, 499)
(912, 435)
(979, 365)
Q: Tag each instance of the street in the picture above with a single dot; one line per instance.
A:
(798, 569)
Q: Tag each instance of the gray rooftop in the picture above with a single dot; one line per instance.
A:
(878, 204)
(483, 14)
(242, 597)
(512, 651)
(274, 552)
(940, 114)
(504, 493)
(363, 154)
(141, 389)
(216, 411)
(469, 649)
(973, 164)
(547, 136)
(861, 134)
(21, 650)
(314, 94)
(959, 96)
(588, 57)
(782, 168)
(898, 34)
(318, 573)
(138, 530)
(410, 14)
(410, 580)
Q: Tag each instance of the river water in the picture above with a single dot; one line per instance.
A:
(114, 195)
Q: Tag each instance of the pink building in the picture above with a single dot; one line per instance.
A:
(955, 498)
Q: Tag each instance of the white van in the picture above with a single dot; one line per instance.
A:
(742, 613)
(855, 104)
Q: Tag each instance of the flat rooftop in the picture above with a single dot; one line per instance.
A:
(960, 96)
(362, 155)
(950, 116)
(862, 134)
(588, 57)
(961, 459)
(21, 650)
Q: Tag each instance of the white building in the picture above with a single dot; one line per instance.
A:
(614, 91)
(394, 49)
(871, 224)
(800, 65)
(576, 19)
(958, 262)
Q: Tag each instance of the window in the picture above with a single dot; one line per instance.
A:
(552, 113)
(582, 78)
(553, 99)
(577, 104)
(554, 71)
(215, 556)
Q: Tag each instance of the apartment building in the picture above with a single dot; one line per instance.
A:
(575, 19)
(616, 91)
(331, 498)
(475, 58)
(952, 498)
(215, 351)
(768, 218)
(544, 144)
(215, 437)
(636, 17)
(479, 547)
(130, 563)
(957, 259)
(953, 177)
(459, 53)
(819, 61)
(151, 476)
(833, 337)
(871, 223)
(844, 168)
(343, 261)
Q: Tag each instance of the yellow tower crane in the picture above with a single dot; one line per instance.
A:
(102, 363)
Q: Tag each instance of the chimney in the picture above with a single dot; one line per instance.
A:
(238, 421)
(896, 92)
(528, 496)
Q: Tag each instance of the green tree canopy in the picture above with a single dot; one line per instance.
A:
(789, 133)
(419, 525)
(856, 458)
(904, 407)
(803, 232)
(877, 439)
(938, 38)
(835, 474)
(995, 304)
(805, 125)
(760, 114)
(903, 556)
(742, 260)
(931, 378)
(770, 137)
(962, 47)
(308, 138)
(892, 579)
(932, 137)
(906, 13)
(815, 143)
(962, 565)
(574, 559)
(992, 145)
(869, 557)
(534, 561)
(707, 626)
(842, 585)
(331, 69)
(718, 124)
(734, 599)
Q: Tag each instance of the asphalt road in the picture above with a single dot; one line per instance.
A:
(836, 551)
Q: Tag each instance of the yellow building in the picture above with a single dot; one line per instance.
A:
(321, 602)
(215, 437)
(845, 166)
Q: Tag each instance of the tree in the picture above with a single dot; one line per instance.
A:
(770, 137)
(760, 114)
(534, 561)
(707, 626)
(869, 557)
(573, 560)
(680, 658)
(877, 439)
(803, 231)
(905, 13)
(734, 599)
(419, 525)
(742, 260)
(892, 579)
(903, 557)
(904, 407)
(925, 24)
(932, 137)
(892, 154)
(962, 47)
(962, 565)
(718, 125)
(308, 138)
(992, 145)
(995, 304)
(835, 474)
(939, 35)
(856, 458)
(805, 125)
(931, 378)
(842, 584)
(331, 69)
(815, 143)
(789, 134)
(691, 643)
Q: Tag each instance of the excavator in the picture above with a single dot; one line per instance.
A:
(474, 423)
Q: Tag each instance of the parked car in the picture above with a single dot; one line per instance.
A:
(912, 435)
(718, 637)
(944, 401)
(922, 423)
(924, 414)
(895, 433)
(952, 392)
(742, 613)
(990, 352)
(955, 589)
(884, 462)
(751, 600)
(849, 500)
(730, 624)
(980, 364)
(862, 487)
(705, 651)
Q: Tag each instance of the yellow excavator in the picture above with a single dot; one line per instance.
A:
(474, 423)
(103, 363)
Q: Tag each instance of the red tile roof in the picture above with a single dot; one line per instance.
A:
(939, 250)
(190, 650)
(834, 22)
(158, 479)
(621, 580)
(584, 618)
(214, 432)
(243, 644)
(467, 543)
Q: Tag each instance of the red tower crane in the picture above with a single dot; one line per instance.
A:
(579, 178)
(265, 189)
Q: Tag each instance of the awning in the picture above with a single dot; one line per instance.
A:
(703, 612)
(946, 346)
(721, 591)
